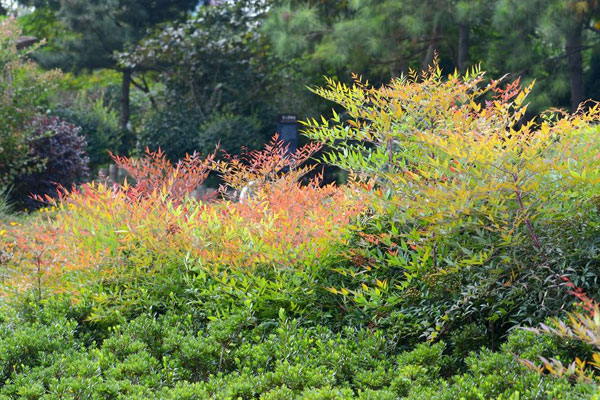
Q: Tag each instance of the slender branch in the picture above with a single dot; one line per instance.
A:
(146, 89)
(534, 237)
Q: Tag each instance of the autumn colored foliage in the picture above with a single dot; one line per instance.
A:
(98, 231)
(465, 186)
(581, 326)
(154, 173)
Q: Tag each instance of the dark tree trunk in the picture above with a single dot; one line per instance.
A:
(463, 46)
(125, 111)
(575, 64)
(433, 43)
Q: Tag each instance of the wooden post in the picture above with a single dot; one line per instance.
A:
(25, 41)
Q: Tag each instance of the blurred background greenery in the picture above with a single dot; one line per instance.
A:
(186, 75)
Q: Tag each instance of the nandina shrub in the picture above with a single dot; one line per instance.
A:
(301, 290)
(153, 227)
(60, 148)
(582, 327)
(154, 172)
(475, 212)
(261, 171)
(457, 216)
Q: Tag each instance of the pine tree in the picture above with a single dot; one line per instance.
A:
(546, 39)
(378, 38)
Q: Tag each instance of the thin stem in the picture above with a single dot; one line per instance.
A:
(534, 237)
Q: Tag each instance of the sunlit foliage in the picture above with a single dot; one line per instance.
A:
(461, 181)
(98, 231)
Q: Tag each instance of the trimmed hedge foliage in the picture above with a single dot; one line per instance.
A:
(174, 356)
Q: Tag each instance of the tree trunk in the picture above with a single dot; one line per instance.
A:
(125, 111)
(463, 46)
(575, 64)
(433, 43)
(10, 92)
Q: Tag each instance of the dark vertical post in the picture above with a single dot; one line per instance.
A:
(575, 65)
(287, 127)
(463, 46)
(125, 89)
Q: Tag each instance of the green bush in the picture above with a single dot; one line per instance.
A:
(6, 205)
(231, 132)
(179, 130)
(174, 130)
(174, 357)
(32, 345)
(24, 91)
(99, 124)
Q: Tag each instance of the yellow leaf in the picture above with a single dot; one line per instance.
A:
(520, 98)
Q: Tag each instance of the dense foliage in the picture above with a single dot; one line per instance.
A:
(509, 205)
(98, 122)
(61, 149)
(185, 67)
(553, 41)
(23, 92)
(459, 225)
(176, 357)
(86, 35)
(201, 64)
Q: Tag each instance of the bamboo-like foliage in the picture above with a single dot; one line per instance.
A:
(99, 233)
(154, 172)
(265, 168)
(582, 326)
(454, 154)
(453, 192)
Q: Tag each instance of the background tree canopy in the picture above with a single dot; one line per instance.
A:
(553, 41)
(96, 30)
(186, 75)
